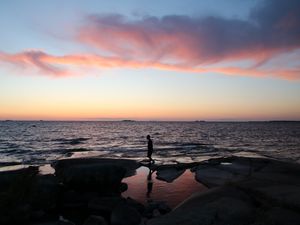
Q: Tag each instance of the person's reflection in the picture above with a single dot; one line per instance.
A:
(149, 181)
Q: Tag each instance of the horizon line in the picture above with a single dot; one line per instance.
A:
(133, 120)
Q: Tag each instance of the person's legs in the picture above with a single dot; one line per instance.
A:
(150, 157)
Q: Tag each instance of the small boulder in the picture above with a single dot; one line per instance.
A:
(135, 204)
(124, 214)
(104, 205)
(95, 220)
(123, 187)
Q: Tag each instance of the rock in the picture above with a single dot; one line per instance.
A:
(15, 195)
(63, 221)
(273, 185)
(226, 205)
(212, 177)
(123, 187)
(163, 208)
(44, 192)
(124, 214)
(149, 209)
(220, 171)
(73, 199)
(94, 174)
(38, 214)
(16, 214)
(105, 205)
(135, 204)
(169, 174)
(101, 178)
(16, 177)
(95, 220)
(74, 206)
(129, 165)
(155, 208)
(284, 195)
(281, 216)
(45, 223)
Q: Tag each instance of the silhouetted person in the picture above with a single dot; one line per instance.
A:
(150, 148)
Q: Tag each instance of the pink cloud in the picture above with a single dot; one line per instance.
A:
(181, 43)
(33, 59)
(57, 66)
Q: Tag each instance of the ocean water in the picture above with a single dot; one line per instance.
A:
(40, 142)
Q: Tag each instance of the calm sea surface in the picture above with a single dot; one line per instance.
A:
(41, 142)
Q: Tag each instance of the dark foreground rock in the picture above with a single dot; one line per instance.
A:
(244, 191)
(220, 171)
(270, 179)
(27, 196)
(9, 178)
(219, 206)
(94, 174)
(124, 214)
(95, 220)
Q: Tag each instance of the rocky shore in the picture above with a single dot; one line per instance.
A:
(88, 191)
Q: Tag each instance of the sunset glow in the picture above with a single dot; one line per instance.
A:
(94, 60)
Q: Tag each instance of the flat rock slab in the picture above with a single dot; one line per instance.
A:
(211, 176)
(129, 165)
(218, 206)
(218, 172)
(272, 184)
(169, 174)
(94, 174)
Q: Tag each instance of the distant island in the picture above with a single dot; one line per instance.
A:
(128, 121)
(199, 121)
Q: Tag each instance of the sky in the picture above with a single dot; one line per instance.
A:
(150, 60)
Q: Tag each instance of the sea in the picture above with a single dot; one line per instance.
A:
(42, 142)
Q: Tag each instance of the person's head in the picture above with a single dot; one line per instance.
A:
(148, 136)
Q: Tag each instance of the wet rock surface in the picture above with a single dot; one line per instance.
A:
(243, 191)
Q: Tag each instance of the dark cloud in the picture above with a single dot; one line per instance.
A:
(273, 27)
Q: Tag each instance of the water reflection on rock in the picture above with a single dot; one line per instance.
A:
(145, 187)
